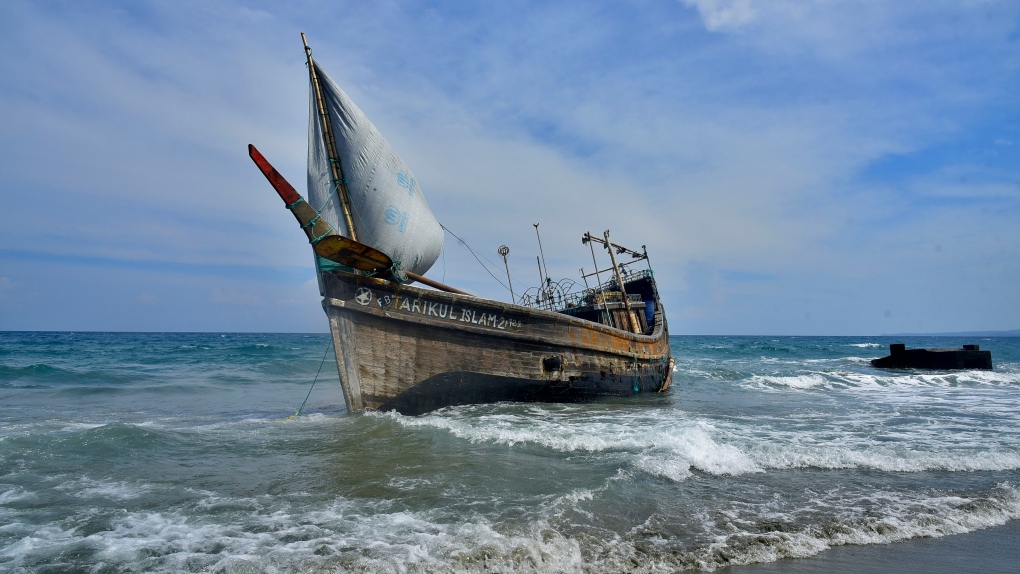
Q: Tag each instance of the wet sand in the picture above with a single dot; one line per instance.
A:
(993, 550)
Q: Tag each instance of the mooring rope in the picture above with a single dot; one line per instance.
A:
(323, 362)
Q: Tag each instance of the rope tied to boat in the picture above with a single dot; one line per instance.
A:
(319, 238)
(315, 380)
(313, 221)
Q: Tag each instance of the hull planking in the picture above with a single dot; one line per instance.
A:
(415, 350)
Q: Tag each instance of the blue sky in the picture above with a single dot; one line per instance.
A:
(818, 167)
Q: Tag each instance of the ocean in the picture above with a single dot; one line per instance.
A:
(173, 452)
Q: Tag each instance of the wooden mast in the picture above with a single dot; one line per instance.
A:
(339, 183)
(336, 170)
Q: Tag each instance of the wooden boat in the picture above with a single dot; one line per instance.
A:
(411, 349)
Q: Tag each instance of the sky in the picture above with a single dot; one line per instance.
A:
(812, 167)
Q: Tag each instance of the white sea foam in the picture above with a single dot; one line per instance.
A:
(834, 456)
(411, 484)
(857, 360)
(252, 425)
(34, 541)
(866, 345)
(662, 447)
(755, 547)
(675, 469)
(113, 490)
(15, 494)
(898, 432)
(839, 517)
(674, 448)
(341, 535)
(852, 380)
(805, 381)
(902, 516)
(373, 535)
(79, 427)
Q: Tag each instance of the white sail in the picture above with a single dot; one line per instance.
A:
(387, 207)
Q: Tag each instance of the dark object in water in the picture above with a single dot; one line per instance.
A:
(969, 357)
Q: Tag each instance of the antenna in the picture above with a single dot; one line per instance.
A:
(503, 252)
(540, 251)
(541, 283)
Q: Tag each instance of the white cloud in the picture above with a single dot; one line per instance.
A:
(724, 14)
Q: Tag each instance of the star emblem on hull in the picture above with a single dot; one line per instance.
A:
(363, 296)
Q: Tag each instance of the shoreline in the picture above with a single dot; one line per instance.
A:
(990, 550)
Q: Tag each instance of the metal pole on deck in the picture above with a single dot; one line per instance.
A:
(619, 279)
(503, 252)
(586, 238)
(590, 239)
(540, 249)
(541, 281)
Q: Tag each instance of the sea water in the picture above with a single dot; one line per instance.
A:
(172, 452)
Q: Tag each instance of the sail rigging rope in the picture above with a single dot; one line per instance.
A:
(329, 198)
(447, 229)
(443, 253)
(364, 226)
(354, 212)
(315, 380)
(336, 189)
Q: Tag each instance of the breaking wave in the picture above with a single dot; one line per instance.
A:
(282, 534)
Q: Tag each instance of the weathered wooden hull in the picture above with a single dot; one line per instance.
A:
(415, 350)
